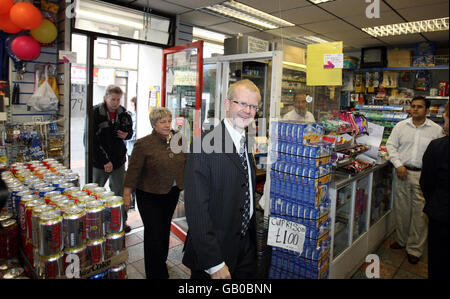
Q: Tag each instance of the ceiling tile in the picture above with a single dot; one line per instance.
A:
(438, 36)
(352, 33)
(386, 18)
(201, 18)
(288, 32)
(346, 8)
(335, 25)
(362, 43)
(231, 28)
(162, 6)
(194, 3)
(403, 39)
(274, 6)
(397, 4)
(425, 12)
(305, 15)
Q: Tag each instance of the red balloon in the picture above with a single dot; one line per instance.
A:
(26, 48)
(7, 25)
(5, 6)
(25, 15)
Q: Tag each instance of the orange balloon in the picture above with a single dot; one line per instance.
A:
(7, 25)
(5, 6)
(25, 15)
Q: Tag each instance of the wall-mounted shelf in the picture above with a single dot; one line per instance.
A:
(412, 68)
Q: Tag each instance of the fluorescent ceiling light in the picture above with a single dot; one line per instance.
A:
(249, 15)
(311, 39)
(408, 28)
(319, 1)
(208, 35)
(295, 64)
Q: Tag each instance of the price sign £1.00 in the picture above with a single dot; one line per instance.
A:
(286, 234)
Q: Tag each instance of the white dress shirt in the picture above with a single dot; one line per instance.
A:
(236, 136)
(293, 115)
(407, 143)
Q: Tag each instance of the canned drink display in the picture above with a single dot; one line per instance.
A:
(114, 211)
(68, 191)
(89, 187)
(50, 234)
(72, 178)
(55, 200)
(84, 199)
(35, 218)
(74, 227)
(29, 207)
(38, 186)
(6, 216)
(105, 195)
(118, 272)
(95, 220)
(23, 173)
(49, 195)
(18, 197)
(79, 251)
(64, 186)
(115, 243)
(29, 181)
(102, 275)
(96, 191)
(14, 273)
(58, 182)
(63, 205)
(51, 267)
(13, 197)
(21, 216)
(44, 190)
(9, 239)
(77, 194)
(95, 251)
(48, 161)
(50, 177)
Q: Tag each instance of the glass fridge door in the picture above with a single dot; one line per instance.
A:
(210, 96)
(342, 221)
(381, 193)
(182, 87)
(360, 208)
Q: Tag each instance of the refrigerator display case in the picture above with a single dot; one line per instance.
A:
(360, 217)
(182, 85)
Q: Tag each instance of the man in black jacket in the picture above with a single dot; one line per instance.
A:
(112, 125)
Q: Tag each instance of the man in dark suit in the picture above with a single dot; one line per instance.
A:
(219, 193)
(434, 185)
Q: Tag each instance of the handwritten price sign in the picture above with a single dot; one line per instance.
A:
(333, 61)
(286, 234)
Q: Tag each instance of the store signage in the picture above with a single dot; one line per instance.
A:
(333, 61)
(256, 45)
(286, 234)
(185, 78)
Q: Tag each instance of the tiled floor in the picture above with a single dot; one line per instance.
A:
(134, 242)
(393, 263)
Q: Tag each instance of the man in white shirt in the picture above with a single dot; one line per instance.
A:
(219, 194)
(406, 146)
(300, 112)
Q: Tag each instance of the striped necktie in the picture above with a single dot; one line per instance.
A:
(246, 212)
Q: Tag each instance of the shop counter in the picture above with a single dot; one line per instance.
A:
(360, 211)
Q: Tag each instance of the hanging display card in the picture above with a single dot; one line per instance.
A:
(286, 234)
(316, 74)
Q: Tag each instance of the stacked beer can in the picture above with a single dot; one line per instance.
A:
(300, 176)
(60, 223)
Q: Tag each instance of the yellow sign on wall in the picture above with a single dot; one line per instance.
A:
(316, 73)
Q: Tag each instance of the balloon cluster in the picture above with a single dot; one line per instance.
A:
(23, 45)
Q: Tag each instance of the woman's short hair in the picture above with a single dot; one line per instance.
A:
(158, 113)
(249, 85)
(113, 89)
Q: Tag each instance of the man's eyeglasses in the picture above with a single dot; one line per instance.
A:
(245, 105)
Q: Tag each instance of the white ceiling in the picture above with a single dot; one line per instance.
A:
(339, 20)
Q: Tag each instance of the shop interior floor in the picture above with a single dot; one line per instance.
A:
(393, 262)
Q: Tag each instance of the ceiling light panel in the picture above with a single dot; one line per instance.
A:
(409, 28)
(319, 1)
(249, 15)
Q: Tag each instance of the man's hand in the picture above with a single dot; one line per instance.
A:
(127, 200)
(122, 134)
(402, 172)
(223, 273)
(108, 167)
